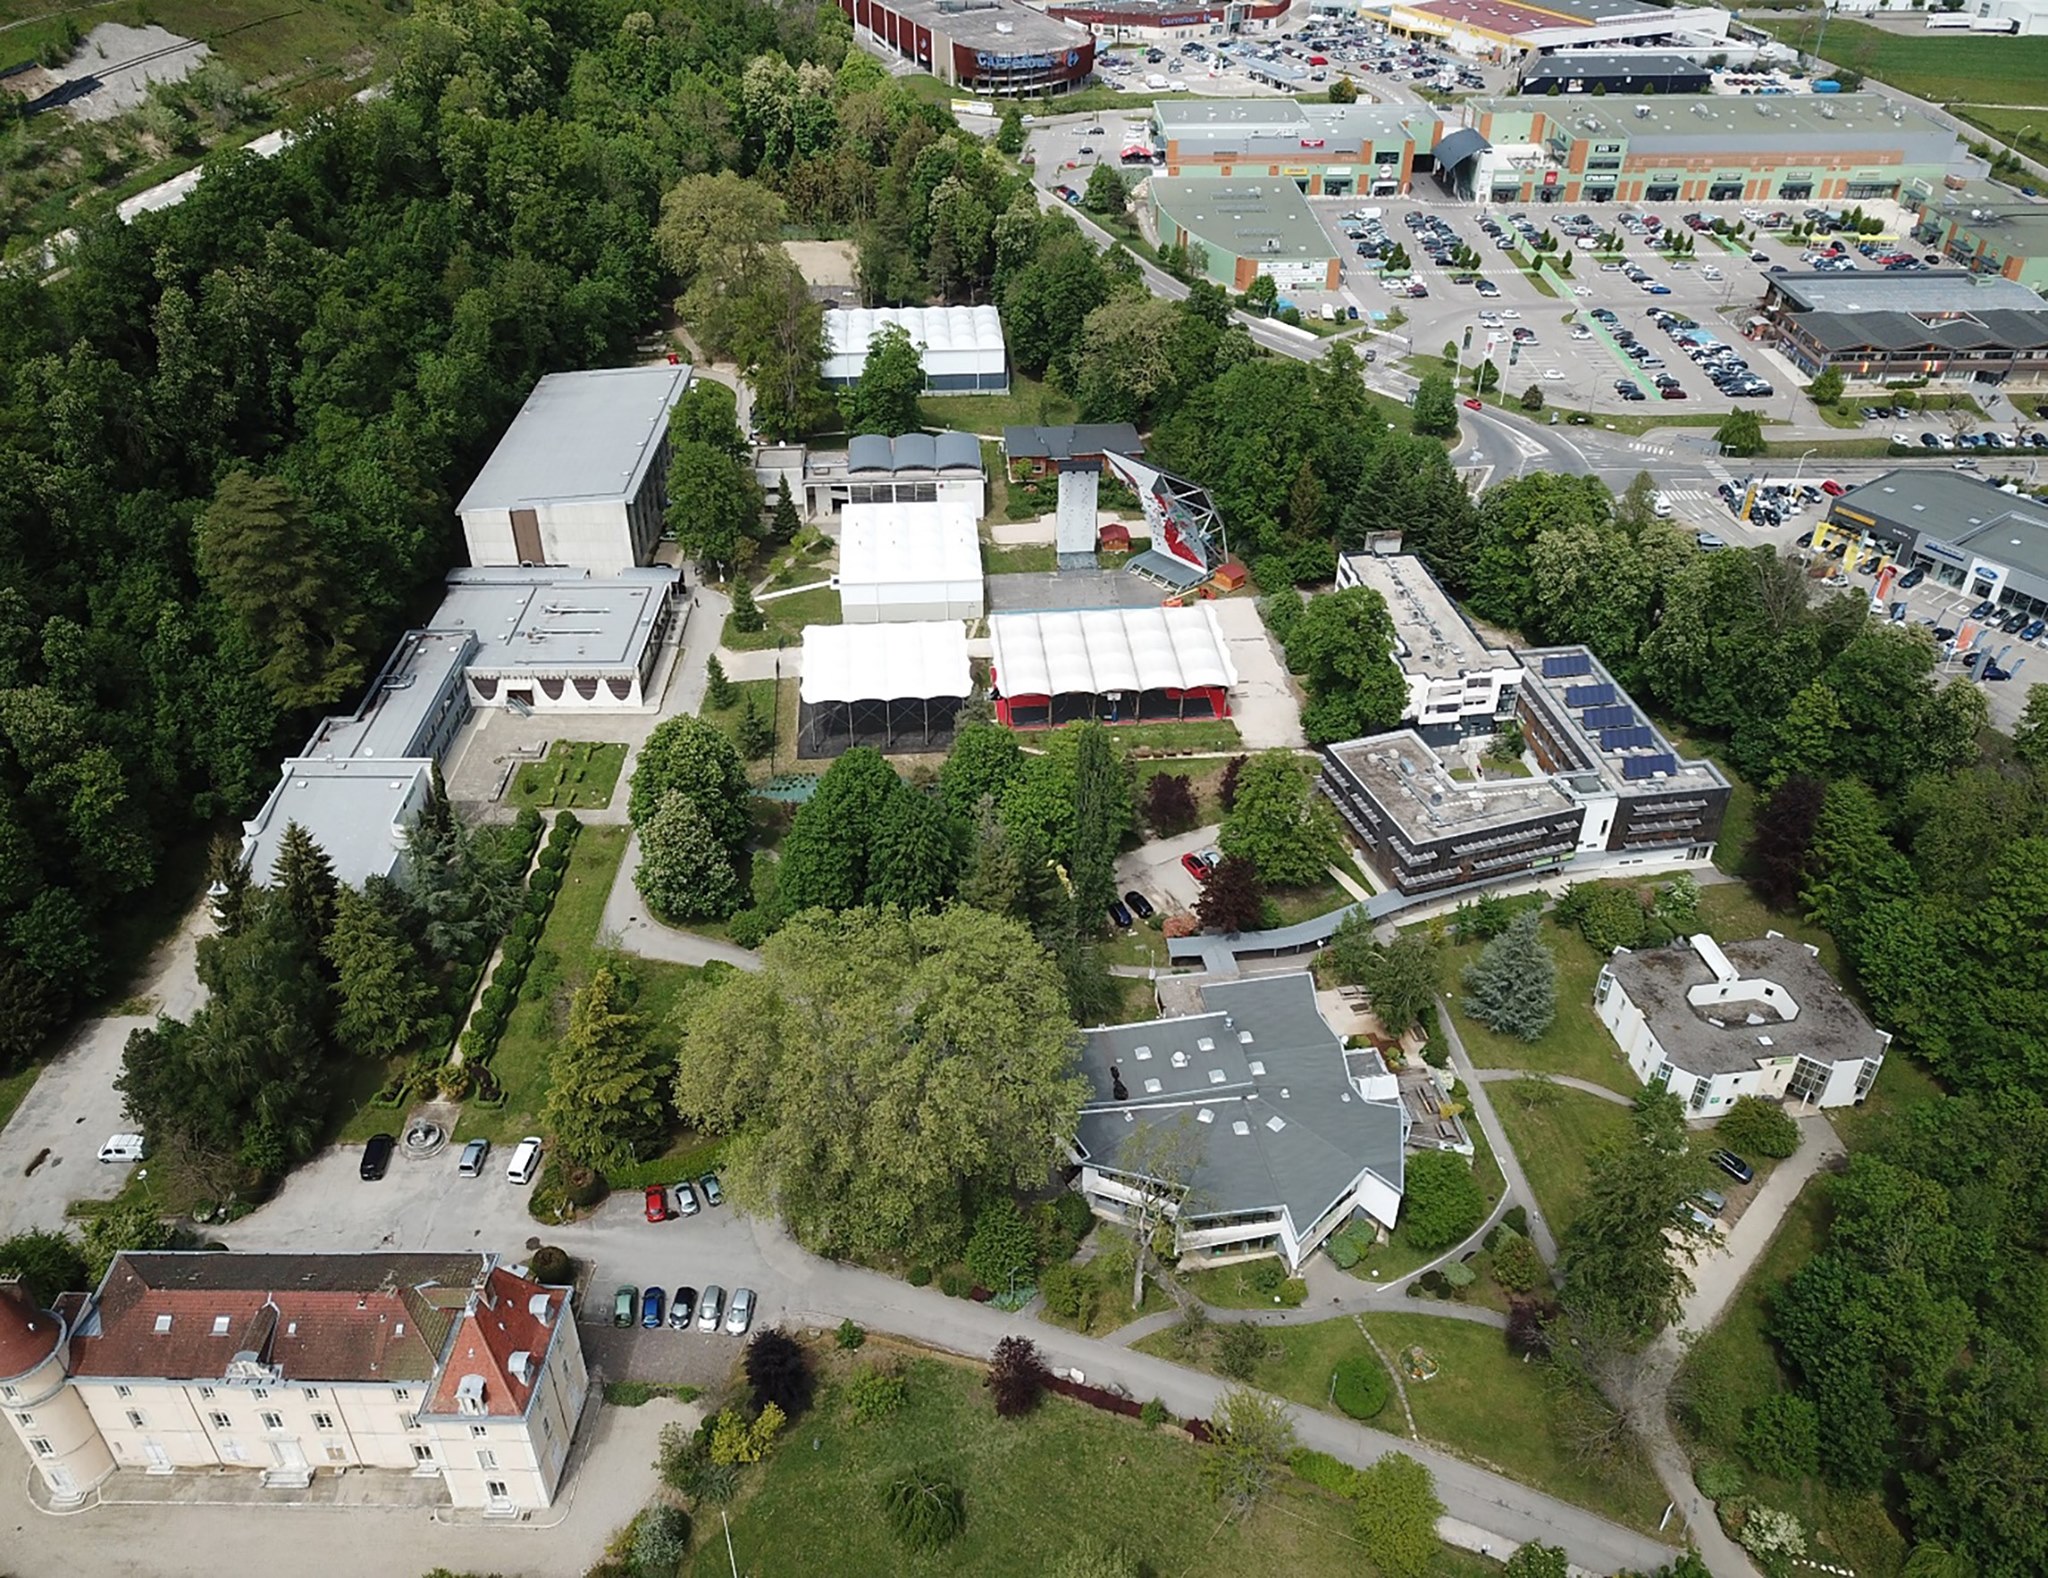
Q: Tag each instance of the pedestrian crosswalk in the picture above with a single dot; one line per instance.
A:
(1687, 495)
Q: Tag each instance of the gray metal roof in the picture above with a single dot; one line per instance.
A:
(397, 712)
(1610, 65)
(946, 451)
(1828, 1027)
(1271, 1066)
(1833, 122)
(354, 810)
(1064, 443)
(1262, 219)
(580, 437)
(1932, 291)
(1458, 146)
(556, 618)
(1976, 516)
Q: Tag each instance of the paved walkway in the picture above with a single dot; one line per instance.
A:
(1497, 1136)
(627, 922)
(1495, 1076)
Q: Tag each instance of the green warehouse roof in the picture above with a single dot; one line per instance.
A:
(1247, 219)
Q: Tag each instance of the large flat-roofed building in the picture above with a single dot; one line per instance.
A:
(1714, 1022)
(1457, 684)
(1966, 533)
(1237, 230)
(551, 641)
(1287, 1133)
(1116, 20)
(580, 478)
(1114, 665)
(1330, 150)
(1878, 326)
(997, 47)
(1985, 228)
(1615, 71)
(911, 468)
(1656, 149)
(1607, 788)
(1507, 30)
(356, 811)
(961, 348)
(286, 1367)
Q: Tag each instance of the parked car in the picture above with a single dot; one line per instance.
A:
(1832, 488)
(377, 1156)
(123, 1148)
(1120, 914)
(472, 1163)
(1912, 578)
(1731, 1164)
(741, 1315)
(714, 1191)
(623, 1304)
(657, 1203)
(682, 1309)
(652, 1307)
(525, 1163)
(686, 1199)
(1140, 905)
(710, 1306)
(1715, 1201)
(1195, 866)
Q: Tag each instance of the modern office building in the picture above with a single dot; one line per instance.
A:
(1713, 1022)
(1933, 325)
(961, 347)
(1508, 30)
(1239, 229)
(1985, 228)
(1657, 149)
(580, 479)
(1608, 71)
(284, 1367)
(1284, 1133)
(1606, 789)
(1965, 533)
(1457, 685)
(997, 47)
(1330, 150)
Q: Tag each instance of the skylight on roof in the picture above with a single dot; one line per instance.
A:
(1143, 1054)
(1240, 1127)
(1244, 1038)
(1256, 1066)
(1217, 1076)
(163, 1323)
(1205, 1044)
(1276, 1123)
(220, 1325)
(1206, 1115)
(1152, 1087)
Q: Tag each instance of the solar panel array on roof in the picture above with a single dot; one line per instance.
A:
(1589, 695)
(1649, 766)
(1633, 737)
(1617, 717)
(1567, 664)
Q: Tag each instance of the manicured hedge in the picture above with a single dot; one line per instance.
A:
(479, 1043)
(1361, 1387)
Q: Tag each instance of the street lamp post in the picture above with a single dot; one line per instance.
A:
(1800, 469)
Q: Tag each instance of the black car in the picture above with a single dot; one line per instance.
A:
(1118, 913)
(1731, 1164)
(1912, 578)
(683, 1309)
(1943, 633)
(377, 1156)
(1140, 905)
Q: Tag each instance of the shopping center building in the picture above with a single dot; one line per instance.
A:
(1505, 31)
(997, 47)
(1327, 150)
(1984, 227)
(1652, 149)
(1919, 326)
(1245, 228)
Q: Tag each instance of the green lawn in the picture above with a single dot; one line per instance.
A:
(785, 620)
(1028, 404)
(1012, 561)
(1484, 1404)
(1195, 734)
(1553, 1138)
(1733, 913)
(1576, 1042)
(2007, 126)
(521, 1062)
(15, 1086)
(1035, 1487)
(1936, 66)
(1300, 904)
(1232, 1287)
(577, 775)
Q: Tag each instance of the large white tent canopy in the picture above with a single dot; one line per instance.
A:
(902, 562)
(1098, 651)
(885, 662)
(961, 347)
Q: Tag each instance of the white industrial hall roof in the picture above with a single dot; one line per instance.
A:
(1099, 650)
(953, 340)
(923, 542)
(885, 662)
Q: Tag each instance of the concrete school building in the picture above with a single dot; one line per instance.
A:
(1237, 230)
(1326, 150)
(284, 1367)
(1713, 1022)
(1985, 228)
(1507, 30)
(1792, 149)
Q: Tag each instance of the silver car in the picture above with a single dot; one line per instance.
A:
(741, 1315)
(709, 1307)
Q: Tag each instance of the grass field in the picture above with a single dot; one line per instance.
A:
(1035, 1488)
(1012, 561)
(15, 1086)
(2026, 130)
(1553, 1136)
(1576, 1042)
(577, 775)
(1942, 67)
(1028, 404)
(785, 620)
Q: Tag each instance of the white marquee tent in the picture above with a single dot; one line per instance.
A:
(895, 686)
(908, 561)
(1117, 664)
(962, 347)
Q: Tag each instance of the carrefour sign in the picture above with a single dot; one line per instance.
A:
(994, 62)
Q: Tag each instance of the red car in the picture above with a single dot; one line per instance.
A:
(1475, 405)
(1195, 866)
(1832, 488)
(657, 1203)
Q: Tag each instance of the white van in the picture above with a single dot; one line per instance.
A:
(1329, 313)
(1155, 81)
(124, 1148)
(525, 1160)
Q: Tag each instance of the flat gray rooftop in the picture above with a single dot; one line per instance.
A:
(547, 619)
(401, 700)
(1263, 219)
(352, 809)
(1435, 640)
(580, 438)
(2014, 224)
(1003, 28)
(1412, 785)
(1935, 291)
(2008, 529)
(1284, 1124)
(1239, 123)
(1822, 121)
(1829, 1028)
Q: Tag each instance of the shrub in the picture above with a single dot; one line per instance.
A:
(1153, 1413)
(1529, 1329)
(1361, 1387)
(1319, 1468)
(551, 1267)
(1069, 1293)
(1781, 1437)
(955, 1283)
(1443, 1201)
(1606, 915)
(874, 1394)
(1516, 1264)
(1191, 1331)
(1265, 1276)
(1434, 1284)
(924, 1508)
(1517, 1218)
(1016, 1377)
(918, 1276)
(1757, 1127)
(778, 1372)
(1240, 1347)
(736, 1439)
(1718, 1479)
(661, 1539)
(748, 928)
(1459, 1275)
(850, 1336)
(1000, 1252)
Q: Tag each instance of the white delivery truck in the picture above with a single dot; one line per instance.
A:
(1155, 82)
